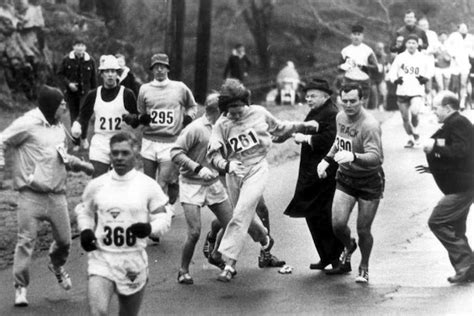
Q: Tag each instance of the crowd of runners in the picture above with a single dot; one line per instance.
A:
(219, 160)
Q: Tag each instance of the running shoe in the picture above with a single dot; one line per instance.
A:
(344, 260)
(20, 296)
(363, 276)
(62, 276)
(227, 274)
(185, 278)
(209, 245)
(410, 144)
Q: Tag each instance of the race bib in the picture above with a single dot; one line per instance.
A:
(244, 141)
(62, 153)
(162, 117)
(116, 230)
(343, 143)
(110, 123)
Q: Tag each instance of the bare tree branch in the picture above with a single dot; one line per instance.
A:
(353, 11)
(325, 24)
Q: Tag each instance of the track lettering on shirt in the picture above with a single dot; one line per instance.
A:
(162, 117)
(244, 141)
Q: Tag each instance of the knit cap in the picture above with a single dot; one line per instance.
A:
(49, 99)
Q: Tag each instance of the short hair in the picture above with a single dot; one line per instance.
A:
(238, 45)
(125, 137)
(211, 104)
(409, 11)
(449, 98)
(120, 55)
(352, 86)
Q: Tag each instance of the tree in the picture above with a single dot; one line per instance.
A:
(258, 16)
(174, 40)
(203, 44)
(86, 5)
(112, 12)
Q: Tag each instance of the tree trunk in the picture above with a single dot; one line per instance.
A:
(60, 1)
(112, 12)
(203, 43)
(174, 41)
(86, 5)
(258, 19)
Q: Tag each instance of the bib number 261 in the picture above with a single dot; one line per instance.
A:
(244, 141)
(118, 236)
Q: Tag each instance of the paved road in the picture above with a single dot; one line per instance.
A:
(407, 274)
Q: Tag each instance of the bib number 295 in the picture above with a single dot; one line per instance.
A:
(118, 236)
(162, 117)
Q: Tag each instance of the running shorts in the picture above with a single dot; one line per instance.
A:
(201, 195)
(366, 188)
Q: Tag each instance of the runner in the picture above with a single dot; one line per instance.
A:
(410, 28)
(360, 178)
(166, 106)
(408, 72)
(200, 185)
(239, 144)
(114, 218)
(39, 136)
(429, 53)
(109, 103)
(442, 63)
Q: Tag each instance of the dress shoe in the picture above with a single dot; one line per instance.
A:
(463, 276)
(319, 266)
(340, 269)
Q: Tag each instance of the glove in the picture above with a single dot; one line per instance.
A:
(207, 174)
(144, 119)
(131, 119)
(322, 166)
(422, 169)
(312, 126)
(280, 139)
(302, 138)
(141, 230)
(421, 79)
(398, 81)
(344, 156)
(88, 240)
(186, 120)
(76, 129)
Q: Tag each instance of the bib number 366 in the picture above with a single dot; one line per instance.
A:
(118, 236)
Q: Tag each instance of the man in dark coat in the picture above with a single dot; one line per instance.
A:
(313, 196)
(450, 155)
(238, 64)
(78, 75)
(410, 27)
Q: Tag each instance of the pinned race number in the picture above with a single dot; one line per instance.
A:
(162, 117)
(343, 143)
(62, 153)
(244, 141)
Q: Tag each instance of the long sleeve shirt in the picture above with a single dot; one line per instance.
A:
(408, 67)
(112, 203)
(190, 149)
(361, 136)
(40, 162)
(247, 140)
(166, 102)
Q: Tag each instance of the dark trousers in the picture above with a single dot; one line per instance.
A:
(448, 224)
(328, 246)
(74, 103)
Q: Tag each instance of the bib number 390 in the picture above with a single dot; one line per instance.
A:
(244, 141)
(118, 236)
(343, 143)
(162, 117)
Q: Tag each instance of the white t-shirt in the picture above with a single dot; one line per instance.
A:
(357, 55)
(409, 66)
(108, 115)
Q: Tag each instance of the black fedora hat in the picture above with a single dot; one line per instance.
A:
(318, 84)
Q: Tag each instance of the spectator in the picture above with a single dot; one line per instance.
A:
(378, 83)
(78, 75)
(238, 64)
(288, 81)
